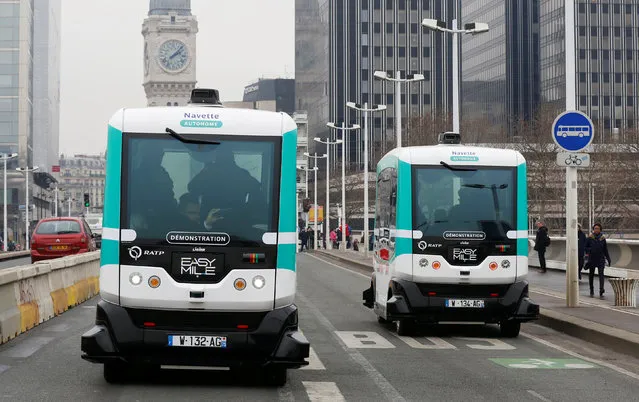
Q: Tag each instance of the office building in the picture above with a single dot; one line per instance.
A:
(501, 68)
(281, 91)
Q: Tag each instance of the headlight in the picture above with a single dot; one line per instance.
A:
(135, 278)
(259, 282)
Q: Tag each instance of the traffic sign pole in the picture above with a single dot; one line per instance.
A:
(572, 282)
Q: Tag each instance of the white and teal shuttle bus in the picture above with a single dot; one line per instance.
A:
(451, 239)
(198, 244)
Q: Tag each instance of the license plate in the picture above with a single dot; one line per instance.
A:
(464, 303)
(58, 248)
(197, 341)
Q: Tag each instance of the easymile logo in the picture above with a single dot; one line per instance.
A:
(197, 266)
(465, 254)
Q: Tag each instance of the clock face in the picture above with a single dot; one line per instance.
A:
(173, 55)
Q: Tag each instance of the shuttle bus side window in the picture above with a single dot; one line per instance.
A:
(392, 210)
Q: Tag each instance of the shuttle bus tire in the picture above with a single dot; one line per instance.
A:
(510, 329)
(275, 376)
(405, 327)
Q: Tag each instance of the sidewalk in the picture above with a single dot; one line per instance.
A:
(595, 320)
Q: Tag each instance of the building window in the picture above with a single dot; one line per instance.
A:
(365, 97)
(175, 104)
(606, 77)
(582, 77)
(606, 100)
(402, 4)
(617, 78)
(389, 51)
(378, 4)
(617, 54)
(582, 31)
(364, 51)
(617, 100)
(389, 122)
(629, 54)
(389, 4)
(427, 75)
(168, 103)
(377, 27)
(628, 9)
(629, 78)
(604, 8)
(605, 31)
(377, 51)
(389, 28)
(365, 75)
(630, 101)
(364, 27)
(389, 99)
(617, 32)
(378, 98)
(414, 99)
(595, 78)
(426, 99)
(593, 8)
(413, 5)
(425, 5)
(628, 32)
(582, 8)
(595, 101)
(402, 52)
(583, 101)
(402, 28)
(378, 122)
(593, 31)
(426, 52)
(582, 54)
(617, 8)
(593, 54)
(414, 28)
(364, 4)
(413, 51)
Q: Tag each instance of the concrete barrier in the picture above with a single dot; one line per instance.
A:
(32, 294)
(623, 253)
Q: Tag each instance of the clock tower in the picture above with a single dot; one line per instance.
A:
(169, 52)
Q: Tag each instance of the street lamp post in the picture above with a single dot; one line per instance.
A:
(5, 158)
(26, 171)
(398, 80)
(472, 28)
(327, 214)
(344, 129)
(315, 168)
(366, 110)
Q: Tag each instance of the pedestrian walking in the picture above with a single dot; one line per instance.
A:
(581, 248)
(596, 250)
(542, 241)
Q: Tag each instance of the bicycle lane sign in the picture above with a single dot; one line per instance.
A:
(554, 364)
(573, 131)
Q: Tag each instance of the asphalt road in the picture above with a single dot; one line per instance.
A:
(15, 262)
(353, 358)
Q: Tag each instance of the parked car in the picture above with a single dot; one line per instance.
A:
(59, 237)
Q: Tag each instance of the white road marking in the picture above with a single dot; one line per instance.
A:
(538, 396)
(27, 347)
(314, 362)
(382, 383)
(495, 344)
(577, 355)
(436, 343)
(364, 340)
(323, 391)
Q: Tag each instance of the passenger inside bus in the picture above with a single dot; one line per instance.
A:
(228, 193)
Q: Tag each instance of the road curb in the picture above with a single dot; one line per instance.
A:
(599, 334)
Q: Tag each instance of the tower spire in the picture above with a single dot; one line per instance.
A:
(164, 7)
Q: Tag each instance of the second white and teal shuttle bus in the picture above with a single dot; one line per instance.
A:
(451, 239)
(198, 264)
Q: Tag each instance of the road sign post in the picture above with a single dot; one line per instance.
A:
(572, 131)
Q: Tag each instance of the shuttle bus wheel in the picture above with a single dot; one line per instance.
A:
(275, 376)
(510, 329)
(405, 327)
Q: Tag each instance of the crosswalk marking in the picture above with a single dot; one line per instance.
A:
(314, 362)
(364, 339)
(322, 391)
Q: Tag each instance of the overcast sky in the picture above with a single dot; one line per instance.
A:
(238, 42)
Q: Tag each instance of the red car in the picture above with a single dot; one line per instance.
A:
(59, 237)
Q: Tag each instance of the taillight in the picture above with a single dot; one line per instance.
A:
(383, 254)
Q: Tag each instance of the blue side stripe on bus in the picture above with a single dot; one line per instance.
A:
(522, 208)
(288, 183)
(110, 253)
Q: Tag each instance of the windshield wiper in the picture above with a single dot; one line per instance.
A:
(185, 140)
(447, 166)
(493, 186)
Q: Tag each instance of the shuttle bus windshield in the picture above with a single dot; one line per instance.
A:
(228, 186)
(471, 200)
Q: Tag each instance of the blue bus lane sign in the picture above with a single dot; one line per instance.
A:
(573, 131)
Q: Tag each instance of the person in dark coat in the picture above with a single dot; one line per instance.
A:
(542, 241)
(597, 254)
(303, 239)
(581, 248)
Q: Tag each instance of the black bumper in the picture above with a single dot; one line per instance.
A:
(427, 303)
(272, 341)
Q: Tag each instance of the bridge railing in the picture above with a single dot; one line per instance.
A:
(623, 253)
